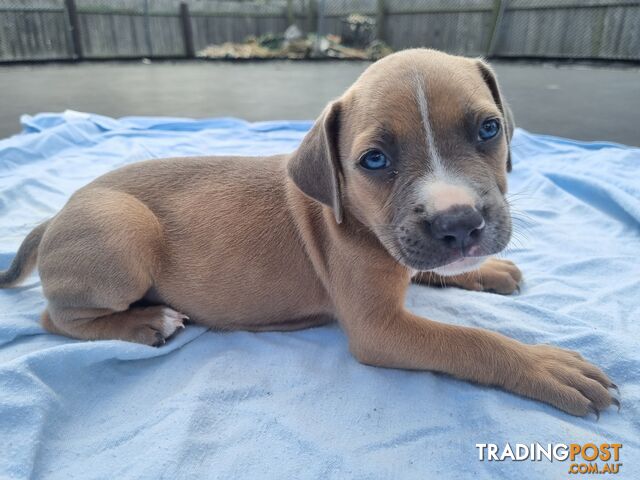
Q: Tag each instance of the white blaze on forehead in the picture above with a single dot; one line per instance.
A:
(441, 189)
(423, 107)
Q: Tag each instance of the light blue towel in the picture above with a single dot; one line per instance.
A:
(297, 405)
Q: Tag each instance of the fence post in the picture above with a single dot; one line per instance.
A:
(74, 25)
(187, 31)
(498, 12)
(320, 27)
(381, 11)
(147, 29)
(312, 11)
(290, 19)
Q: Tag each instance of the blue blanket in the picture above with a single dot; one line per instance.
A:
(297, 405)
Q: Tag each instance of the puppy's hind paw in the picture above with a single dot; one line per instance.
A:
(158, 324)
(171, 321)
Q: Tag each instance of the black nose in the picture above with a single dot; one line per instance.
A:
(458, 227)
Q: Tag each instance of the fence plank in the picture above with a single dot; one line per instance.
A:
(34, 35)
(58, 29)
(498, 15)
(603, 33)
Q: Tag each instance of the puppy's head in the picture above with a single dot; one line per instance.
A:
(417, 150)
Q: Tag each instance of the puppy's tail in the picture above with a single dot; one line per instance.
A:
(25, 260)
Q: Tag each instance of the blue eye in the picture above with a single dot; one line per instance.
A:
(374, 160)
(489, 129)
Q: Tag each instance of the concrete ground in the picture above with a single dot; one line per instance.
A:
(582, 102)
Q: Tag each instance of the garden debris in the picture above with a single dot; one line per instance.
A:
(358, 30)
(293, 45)
(292, 33)
(250, 49)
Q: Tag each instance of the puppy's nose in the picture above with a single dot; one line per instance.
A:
(458, 227)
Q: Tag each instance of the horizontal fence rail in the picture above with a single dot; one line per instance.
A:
(111, 29)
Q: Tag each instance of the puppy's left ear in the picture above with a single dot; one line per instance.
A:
(490, 79)
(315, 166)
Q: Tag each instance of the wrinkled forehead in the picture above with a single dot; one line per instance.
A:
(411, 100)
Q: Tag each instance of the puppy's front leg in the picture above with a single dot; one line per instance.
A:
(394, 337)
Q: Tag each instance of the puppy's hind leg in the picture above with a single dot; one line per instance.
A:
(146, 325)
(98, 257)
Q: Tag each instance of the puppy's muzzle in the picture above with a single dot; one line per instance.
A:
(459, 227)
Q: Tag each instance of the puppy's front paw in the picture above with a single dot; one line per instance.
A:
(494, 275)
(563, 379)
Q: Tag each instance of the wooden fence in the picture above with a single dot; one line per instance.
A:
(101, 29)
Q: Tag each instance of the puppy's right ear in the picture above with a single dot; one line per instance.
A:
(315, 167)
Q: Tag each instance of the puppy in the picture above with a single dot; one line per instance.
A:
(405, 173)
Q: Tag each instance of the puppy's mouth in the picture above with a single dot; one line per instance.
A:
(454, 263)
(421, 252)
(456, 242)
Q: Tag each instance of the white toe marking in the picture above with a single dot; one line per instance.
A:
(442, 189)
(171, 321)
